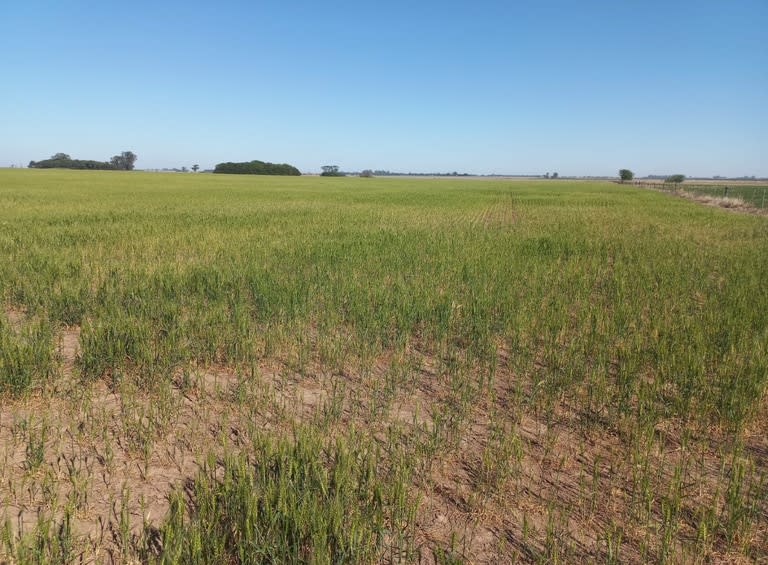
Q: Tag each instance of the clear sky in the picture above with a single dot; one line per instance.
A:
(474, 86)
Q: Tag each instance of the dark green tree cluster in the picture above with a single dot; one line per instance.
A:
(676, 179)
(123, 162)
(257, 168)
(331, 171)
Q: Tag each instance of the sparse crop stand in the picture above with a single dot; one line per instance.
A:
(230, 368)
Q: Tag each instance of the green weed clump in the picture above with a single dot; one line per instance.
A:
(26, 357)
(308, 500)
(50, 541)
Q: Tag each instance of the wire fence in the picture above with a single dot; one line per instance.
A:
(752, 195)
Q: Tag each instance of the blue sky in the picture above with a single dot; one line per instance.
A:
(482, 87)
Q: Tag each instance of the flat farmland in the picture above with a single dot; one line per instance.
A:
(206, 368)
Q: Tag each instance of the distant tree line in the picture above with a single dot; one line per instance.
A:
(627, 175)
(257, 168)
(122, 162)
(385, 173)
(667, 178)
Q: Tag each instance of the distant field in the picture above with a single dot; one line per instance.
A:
(215, 368)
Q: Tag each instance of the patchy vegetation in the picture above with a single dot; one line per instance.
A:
(464, 371)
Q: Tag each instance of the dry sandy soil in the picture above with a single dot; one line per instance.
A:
(116, 452)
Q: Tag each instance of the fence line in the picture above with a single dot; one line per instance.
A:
(756, 196)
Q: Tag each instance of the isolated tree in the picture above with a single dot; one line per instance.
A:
(367, 173)
(626, 174)
(546, 176)
(330, 169)
(555, 175)
(195, 167)
(675, 179)
(124, 161)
